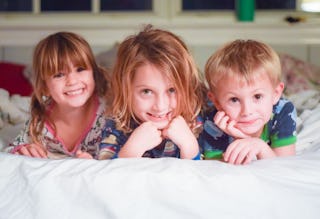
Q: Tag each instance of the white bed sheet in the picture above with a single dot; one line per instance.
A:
(287, 187)
(159, 188)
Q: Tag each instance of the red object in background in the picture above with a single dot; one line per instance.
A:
(13, 80)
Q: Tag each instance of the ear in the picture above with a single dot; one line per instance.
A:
(214, 100)
(278, 92)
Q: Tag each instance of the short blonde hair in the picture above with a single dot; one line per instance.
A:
(170, 55)
(241, 59)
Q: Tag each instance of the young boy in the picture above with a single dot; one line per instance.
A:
(249, 119)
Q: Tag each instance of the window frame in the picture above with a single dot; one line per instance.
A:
(103, 28)
(163, 10)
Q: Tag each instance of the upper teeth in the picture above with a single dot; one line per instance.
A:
(74, 92)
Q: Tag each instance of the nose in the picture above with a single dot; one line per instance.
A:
(246, 107)
(161, 103)
(71, 78)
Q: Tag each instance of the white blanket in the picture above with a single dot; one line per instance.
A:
(159, 188)
(287, 187)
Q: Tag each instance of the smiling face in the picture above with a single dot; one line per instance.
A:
(249, 104)
(154, 97)
(71, 89)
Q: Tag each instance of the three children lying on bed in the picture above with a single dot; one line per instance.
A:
(157, 105)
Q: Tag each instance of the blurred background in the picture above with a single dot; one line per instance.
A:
(290, 26)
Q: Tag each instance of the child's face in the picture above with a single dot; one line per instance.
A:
(71, 89)
(154, 97)
(250, 105)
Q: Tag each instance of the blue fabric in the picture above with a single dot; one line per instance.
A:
(114, 139)
(279, 131)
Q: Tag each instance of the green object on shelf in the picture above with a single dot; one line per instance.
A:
(245, 10)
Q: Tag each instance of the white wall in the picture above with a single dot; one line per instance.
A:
(19, 34)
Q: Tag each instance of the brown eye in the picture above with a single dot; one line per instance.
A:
(146, 91)
(58, 75)
(172, 90)
(80, 69)
(234, 99)
(258, 96)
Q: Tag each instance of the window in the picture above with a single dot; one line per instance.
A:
(74, 5)
(230, 4)
(146, 5)
(63, 5)
(190, 5)
(126, 5)
(15, 5)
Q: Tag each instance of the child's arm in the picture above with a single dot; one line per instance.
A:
(288, 150)
(180, 133)
(142, 139)
(31, 150)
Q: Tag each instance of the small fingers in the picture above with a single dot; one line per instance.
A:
(32, 151)
(242, 157)
(235, 153)
(249, 157)
(239, 152)
(43, 154)
(228, 152)
(37, 151)
(219, 117)
(24, 151)
(231, 129)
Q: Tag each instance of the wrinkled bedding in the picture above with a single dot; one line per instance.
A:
(159, 188)
(286, 187)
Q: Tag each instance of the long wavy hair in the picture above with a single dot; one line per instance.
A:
(170, 55)
(51, 55)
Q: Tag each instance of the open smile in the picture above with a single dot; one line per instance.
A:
(74, 92)
(159, 117)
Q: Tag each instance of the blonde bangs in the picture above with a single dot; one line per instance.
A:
(243, 59)
(56, 56)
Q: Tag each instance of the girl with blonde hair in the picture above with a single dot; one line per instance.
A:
(157, 98)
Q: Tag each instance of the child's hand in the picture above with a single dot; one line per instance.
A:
(32, 150)
(145, 137)
(243, 151)
(228, 126)
(83, 155)
(179, 132)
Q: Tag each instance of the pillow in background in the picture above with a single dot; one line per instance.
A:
(299, 75)
(107, 58)
(13, 80)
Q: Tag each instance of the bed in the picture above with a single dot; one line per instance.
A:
(287, 187)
